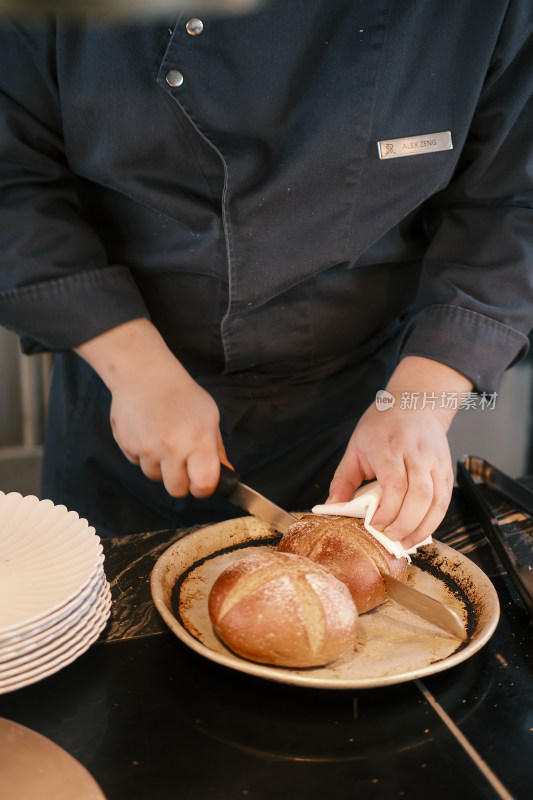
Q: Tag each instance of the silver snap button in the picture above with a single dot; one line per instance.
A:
(194, 26)
(174, 78)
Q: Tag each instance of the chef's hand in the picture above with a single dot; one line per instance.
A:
(161, 418)
(406, 451)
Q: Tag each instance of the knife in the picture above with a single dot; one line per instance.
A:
(231, 488)
(425, 606)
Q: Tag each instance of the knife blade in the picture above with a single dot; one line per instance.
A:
(231, 488)
(425, 606)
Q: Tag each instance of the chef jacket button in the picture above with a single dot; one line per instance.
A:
(194, 26)
(174, 78)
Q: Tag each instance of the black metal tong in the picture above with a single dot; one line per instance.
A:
(516, 557)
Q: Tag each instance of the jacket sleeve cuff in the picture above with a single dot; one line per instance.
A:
(475, 345)
(62, 313)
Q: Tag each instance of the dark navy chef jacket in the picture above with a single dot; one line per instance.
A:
(268, 188)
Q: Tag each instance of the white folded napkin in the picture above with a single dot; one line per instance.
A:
(364, 504)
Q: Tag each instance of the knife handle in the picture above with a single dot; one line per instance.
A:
(227, 482)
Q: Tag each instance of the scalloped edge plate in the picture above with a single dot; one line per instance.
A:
(49, 557)
(64, 655)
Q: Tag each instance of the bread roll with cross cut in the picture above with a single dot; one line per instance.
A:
(349, 551)
(281, 609)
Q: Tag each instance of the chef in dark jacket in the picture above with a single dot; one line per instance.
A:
(234, 231)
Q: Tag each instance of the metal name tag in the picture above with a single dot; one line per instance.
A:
(415, 145)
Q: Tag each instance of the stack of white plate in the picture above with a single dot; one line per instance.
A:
(54, 596)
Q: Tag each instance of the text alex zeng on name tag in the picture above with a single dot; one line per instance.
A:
(415, 145)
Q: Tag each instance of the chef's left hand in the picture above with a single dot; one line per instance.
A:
(407, 452)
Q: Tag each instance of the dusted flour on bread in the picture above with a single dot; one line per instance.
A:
(343, 546)
(278, 608)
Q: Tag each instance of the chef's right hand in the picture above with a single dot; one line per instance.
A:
(161, 418)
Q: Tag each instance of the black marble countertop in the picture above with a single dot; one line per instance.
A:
(149, 718)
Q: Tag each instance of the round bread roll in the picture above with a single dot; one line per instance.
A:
(278, 608)
(349, 551)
